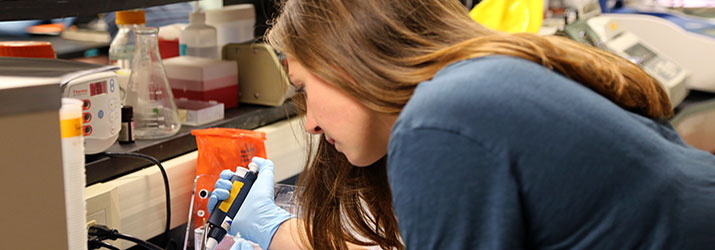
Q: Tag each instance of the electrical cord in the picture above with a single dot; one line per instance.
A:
(167, 228)
(140, 242)
(95, 243)
(98, 233)
(106, 245)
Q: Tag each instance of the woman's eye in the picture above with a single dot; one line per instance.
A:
(300, 89)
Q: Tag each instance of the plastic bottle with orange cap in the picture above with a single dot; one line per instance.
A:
(121, 49)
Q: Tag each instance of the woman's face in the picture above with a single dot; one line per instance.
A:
(356, 131)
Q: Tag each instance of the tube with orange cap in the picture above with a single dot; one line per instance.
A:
(33, 49)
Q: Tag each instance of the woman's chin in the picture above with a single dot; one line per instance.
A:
(361, 161)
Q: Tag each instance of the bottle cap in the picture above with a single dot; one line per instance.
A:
(127, 113)
(27, 49)
(197, 17)
(130, 17)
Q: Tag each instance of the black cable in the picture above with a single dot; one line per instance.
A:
(139, 242)
(98, 233)
(107, 245)
(94, 242)
(167, 229)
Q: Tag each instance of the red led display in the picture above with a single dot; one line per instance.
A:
(97, 88)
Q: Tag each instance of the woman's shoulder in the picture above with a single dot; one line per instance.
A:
(497, 97)
(492, 86)
(490, 65)
(488, 79)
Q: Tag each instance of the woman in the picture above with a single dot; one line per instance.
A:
(467, 138)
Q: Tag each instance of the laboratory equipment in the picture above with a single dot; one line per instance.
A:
(220, 219)
(121, 49)
(32, 176)
(155, 114)
(261, 75)
(694, 52)
(197, 113)
(98, 90)
(285, 197)
(626, 44)
(200, 236)
(611, 36)
(198, 39)
(695, 24)
(94, 85)
(234, 23)
(203, 79)
(187, 235)
(74, 172)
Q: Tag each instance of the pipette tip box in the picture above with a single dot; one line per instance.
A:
(197, 113)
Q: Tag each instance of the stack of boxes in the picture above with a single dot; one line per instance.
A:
(207, 80)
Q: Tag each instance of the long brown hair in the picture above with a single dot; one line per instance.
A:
(378, 51)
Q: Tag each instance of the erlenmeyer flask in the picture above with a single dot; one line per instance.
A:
(148, 90)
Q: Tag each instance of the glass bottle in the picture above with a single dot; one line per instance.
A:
(155, 114)
(121, 49)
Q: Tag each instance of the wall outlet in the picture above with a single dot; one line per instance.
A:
(103, 206)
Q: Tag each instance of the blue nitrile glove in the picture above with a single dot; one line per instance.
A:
(259, 217)
(241, 244)
(221, 189)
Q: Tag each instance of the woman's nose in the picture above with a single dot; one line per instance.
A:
(311, 126)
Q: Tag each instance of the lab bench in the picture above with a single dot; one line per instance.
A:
(101, 168)
(128, 194)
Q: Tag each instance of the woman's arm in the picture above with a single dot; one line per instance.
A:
(289, 235)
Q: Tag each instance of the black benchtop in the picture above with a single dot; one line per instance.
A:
(102, 168)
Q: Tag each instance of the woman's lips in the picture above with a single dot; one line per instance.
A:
(330, 140)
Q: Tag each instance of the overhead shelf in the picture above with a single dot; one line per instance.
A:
(48, 9)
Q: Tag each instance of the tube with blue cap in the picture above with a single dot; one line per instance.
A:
(222, 215)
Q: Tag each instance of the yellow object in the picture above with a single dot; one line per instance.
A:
(613, 26)
(226, 204)
(510, 15)
(71, 127)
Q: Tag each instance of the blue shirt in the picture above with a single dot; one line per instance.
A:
(502, 153)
